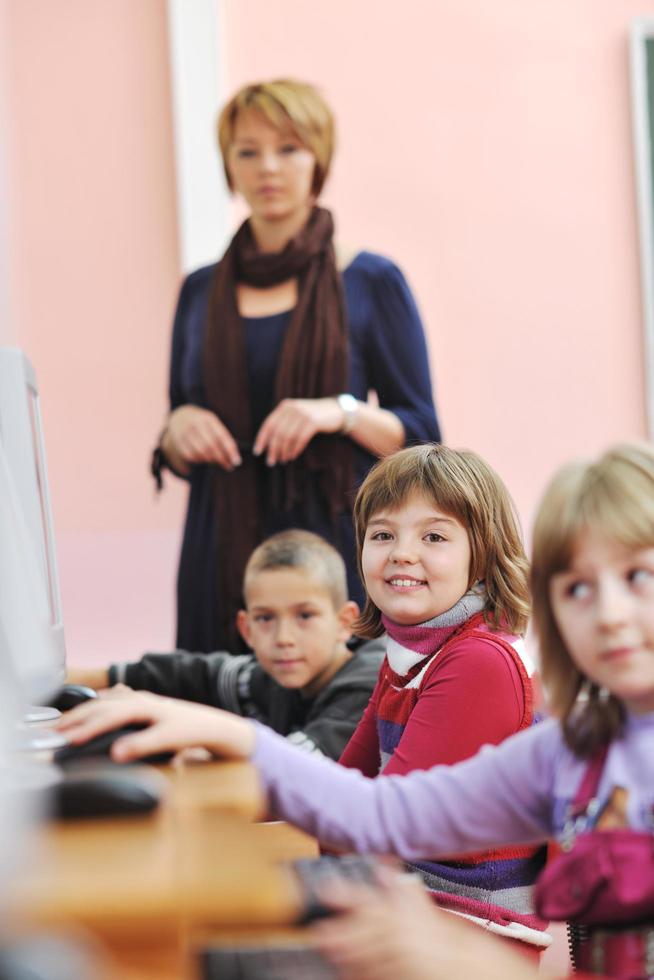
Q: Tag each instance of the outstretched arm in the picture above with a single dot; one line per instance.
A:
(501, 796)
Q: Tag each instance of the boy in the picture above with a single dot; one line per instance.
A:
(303, 680)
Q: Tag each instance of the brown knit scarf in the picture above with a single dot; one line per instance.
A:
(313, 363)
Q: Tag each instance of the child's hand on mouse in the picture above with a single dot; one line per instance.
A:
(172, 725)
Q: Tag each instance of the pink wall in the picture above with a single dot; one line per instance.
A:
(95, 266)
(485, 147)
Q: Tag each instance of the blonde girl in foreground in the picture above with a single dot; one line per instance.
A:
(593, 594)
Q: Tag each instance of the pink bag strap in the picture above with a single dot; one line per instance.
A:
(590, 782)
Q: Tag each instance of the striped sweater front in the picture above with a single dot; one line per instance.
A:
(443, 667)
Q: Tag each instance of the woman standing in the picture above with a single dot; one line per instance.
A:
(275, 349)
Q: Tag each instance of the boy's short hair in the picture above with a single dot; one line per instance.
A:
(466, 487)
(301, 550)
(612, 496)
(286, 104)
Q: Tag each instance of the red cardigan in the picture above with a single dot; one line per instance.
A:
(473, 693)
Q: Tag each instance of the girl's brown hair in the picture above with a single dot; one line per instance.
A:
(614, 497)
(465, 487)
(287, 105)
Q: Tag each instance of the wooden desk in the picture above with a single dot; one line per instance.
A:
(146, 886)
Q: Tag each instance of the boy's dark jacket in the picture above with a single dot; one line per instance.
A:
(323, 723)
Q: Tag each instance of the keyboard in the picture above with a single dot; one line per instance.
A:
(314, 873)
(295, 962)
(292, 961)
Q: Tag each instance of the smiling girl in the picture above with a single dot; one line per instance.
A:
(446, 579)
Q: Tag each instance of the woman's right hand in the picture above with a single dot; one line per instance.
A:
(196, 435)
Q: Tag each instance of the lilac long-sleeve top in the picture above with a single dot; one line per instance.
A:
(516, 792)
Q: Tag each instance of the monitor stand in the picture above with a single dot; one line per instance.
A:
(35, 714)
(36, 775)
(34, 739)
(35, 734)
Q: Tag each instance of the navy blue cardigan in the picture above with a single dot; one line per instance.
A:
(387, 353)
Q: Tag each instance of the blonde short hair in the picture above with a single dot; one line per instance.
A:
(285, 104)
(464, 486)
(613, 496)
(302, 550)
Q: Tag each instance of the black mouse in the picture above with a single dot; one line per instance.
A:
(70, 695)
(105, 792)
(100, 747)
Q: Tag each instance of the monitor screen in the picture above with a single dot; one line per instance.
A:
(31, 624)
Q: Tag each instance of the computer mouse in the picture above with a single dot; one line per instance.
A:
(100, 748)
(105, 792)
(70, 695)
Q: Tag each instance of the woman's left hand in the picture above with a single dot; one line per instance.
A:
(291, 425)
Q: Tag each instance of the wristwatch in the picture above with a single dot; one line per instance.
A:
(350, 408)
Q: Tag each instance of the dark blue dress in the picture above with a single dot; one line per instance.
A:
(387, 353)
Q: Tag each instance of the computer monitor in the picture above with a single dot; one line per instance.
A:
(31, 624)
